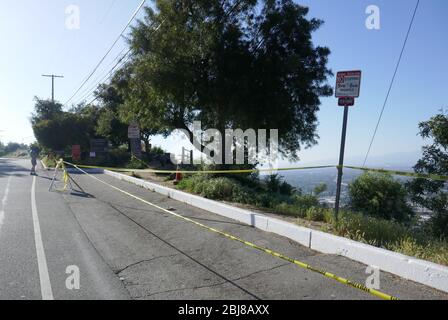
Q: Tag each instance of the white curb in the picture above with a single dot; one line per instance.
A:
(420, 271)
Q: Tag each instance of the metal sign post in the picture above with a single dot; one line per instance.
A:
(135, 141)
(341, 162)
(348, 85)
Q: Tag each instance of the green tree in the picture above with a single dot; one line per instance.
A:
(109, 124)
(230, 64)
(276, 184)
(432, 194)
(319, 189)
(57, 130)
(45, 110)
(115, 117)
(12, 147)
(381, 196)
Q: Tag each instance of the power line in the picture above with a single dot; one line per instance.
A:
(108, 11)
(110, 74)
(86, 93)
(108, 52)
(392, 82)
(106, 78)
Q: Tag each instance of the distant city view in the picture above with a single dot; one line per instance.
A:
(307, 180)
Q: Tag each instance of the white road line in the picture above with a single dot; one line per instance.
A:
(45, 285)
(5, 198)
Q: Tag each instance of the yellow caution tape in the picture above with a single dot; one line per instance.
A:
(196, 171)
(303, 265)
(402, 173)
(393, 172)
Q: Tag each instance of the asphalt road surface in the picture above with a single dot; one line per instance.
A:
(125, 249)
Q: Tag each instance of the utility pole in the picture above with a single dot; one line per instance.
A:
(52, 76)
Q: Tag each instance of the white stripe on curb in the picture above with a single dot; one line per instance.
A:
(45, 285)
(420, 271)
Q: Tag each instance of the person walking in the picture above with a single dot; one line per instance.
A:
(34, 155)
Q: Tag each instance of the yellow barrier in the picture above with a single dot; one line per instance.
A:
(393, 172)
(65, 177)
(303, 265)
(195, 171)
(402, 173)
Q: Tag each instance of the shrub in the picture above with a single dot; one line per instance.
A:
(229, 189)
(289, 210)
(306, 201)
(368, 229)
(243, 195)
(157, 151)
(275, 184)
(435, 251)
(321, 188)
(315, 214)
(218, 188)
(135, 164)
(118, 157)
(379, 195)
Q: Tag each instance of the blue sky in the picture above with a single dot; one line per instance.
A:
(35, 41)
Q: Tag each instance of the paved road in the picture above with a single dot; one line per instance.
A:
(125, 249)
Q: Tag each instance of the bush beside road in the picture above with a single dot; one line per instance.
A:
(410, 238)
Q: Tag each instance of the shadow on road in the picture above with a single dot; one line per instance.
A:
(9, 167)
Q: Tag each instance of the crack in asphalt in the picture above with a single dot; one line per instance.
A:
(183, 252)
(207, 286)
(150, 260)
(143, 261)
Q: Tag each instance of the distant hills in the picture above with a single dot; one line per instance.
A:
(398, 160)
(307, 180)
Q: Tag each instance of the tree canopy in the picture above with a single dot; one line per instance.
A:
(56, 129)
(429, 193)
(229, 64)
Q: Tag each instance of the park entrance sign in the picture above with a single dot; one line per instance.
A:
(348, 84)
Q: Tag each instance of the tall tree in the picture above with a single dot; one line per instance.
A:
(230, 64)
(109, 123)
(116, 117)
(56, 129)
(45, 110)
(429, 193)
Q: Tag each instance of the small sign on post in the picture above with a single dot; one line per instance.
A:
(348, 87)
(76, 152)
(134, 131)
(348, 84)
(346, 102)
(134, 137)
(99, 146)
